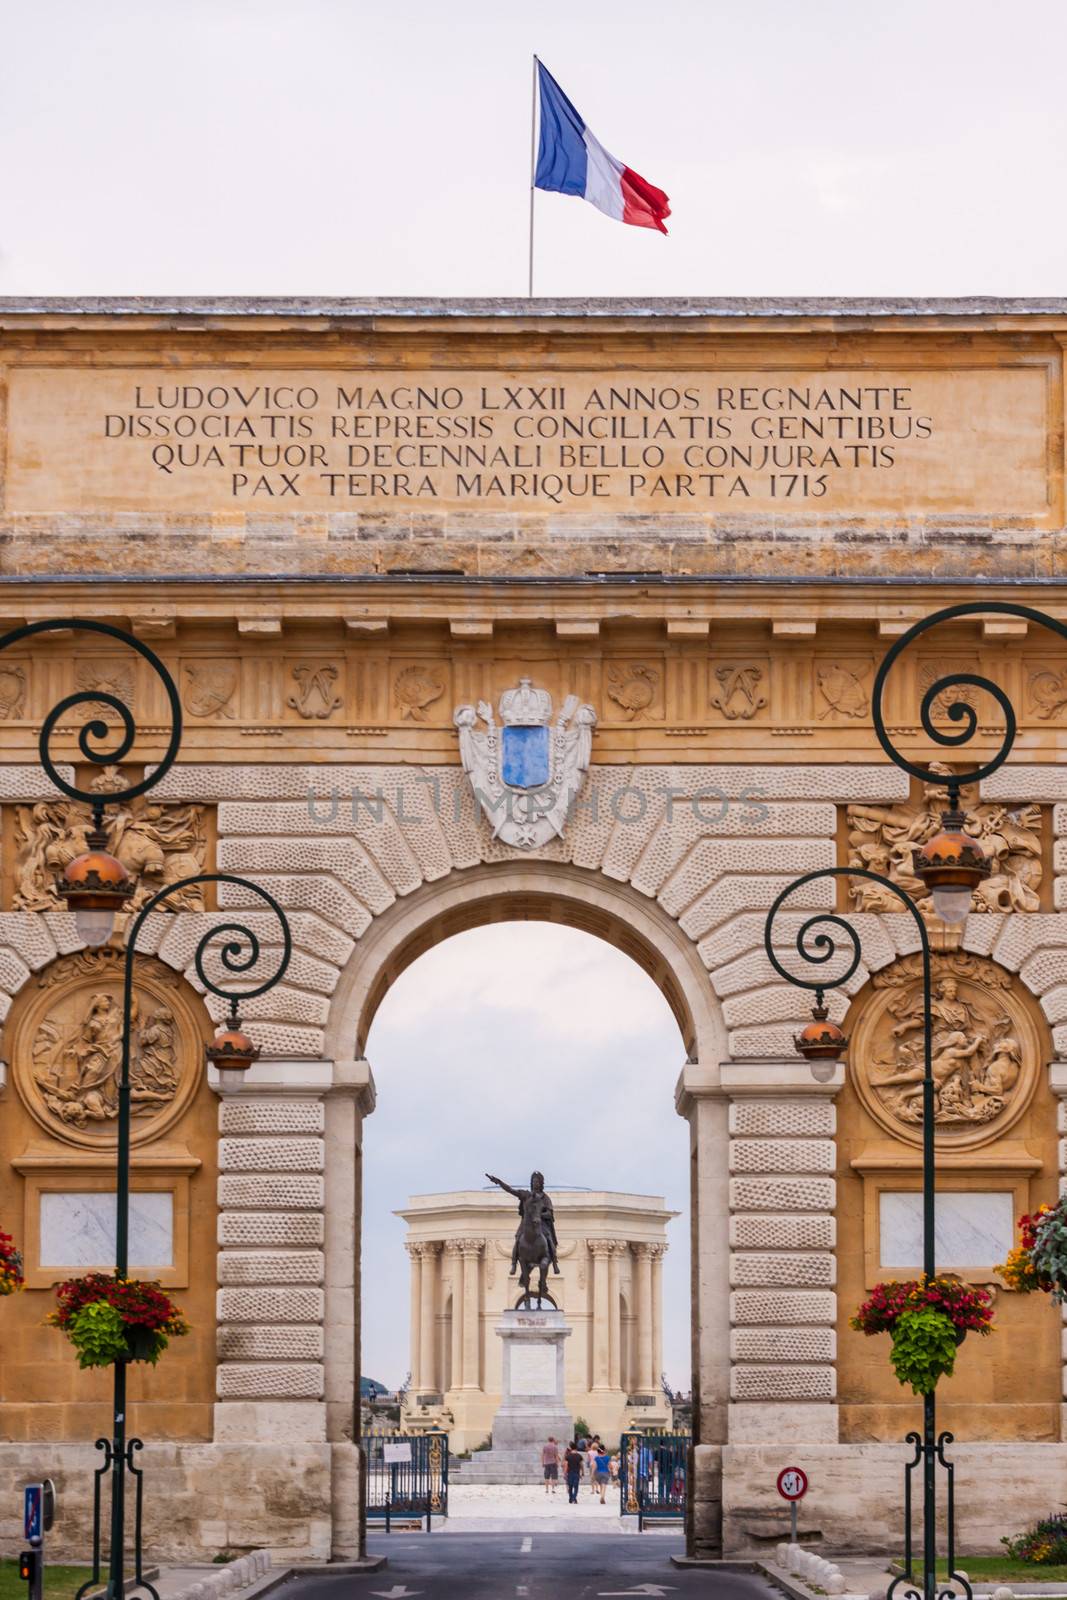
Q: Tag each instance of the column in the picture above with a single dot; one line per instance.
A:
(600, 1250)
(414, 1354)
(452, 1250)
(471, 1249)
(614, 1317)
(658, 1252)
(427, 1368)
(644, 1379)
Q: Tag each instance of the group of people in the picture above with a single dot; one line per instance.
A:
(580, 1457)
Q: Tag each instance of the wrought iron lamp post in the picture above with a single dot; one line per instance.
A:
(951, 866)
(95, 886)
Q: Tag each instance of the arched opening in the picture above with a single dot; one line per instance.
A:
(510, 1046)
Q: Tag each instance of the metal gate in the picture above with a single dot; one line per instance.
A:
(407, 1477)
(654, 1476)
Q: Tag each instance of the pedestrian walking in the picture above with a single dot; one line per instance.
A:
(590, 1461)
(550, 1463)
(602, 1471)
(573, 1464)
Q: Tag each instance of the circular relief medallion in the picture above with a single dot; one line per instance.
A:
(66, 1047)
(986, 1049)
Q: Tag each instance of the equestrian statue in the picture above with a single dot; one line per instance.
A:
(535, 1238)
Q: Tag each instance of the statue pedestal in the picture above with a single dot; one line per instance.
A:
(533, 1406)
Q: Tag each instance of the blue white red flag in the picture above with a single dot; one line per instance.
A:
(571, 160)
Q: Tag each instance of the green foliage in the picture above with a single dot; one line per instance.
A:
(582, 1430)
(98, 1333)
(924, 1349)
(101, 1337)
(1048, 1256)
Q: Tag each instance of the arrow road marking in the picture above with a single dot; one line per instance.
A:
(641, 1588)
(399, 1591)
(526, 1546)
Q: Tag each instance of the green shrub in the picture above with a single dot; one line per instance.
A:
(924, 1349)
(1043, 1545)
(582, 1430)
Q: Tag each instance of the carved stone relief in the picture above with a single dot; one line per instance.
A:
(741, 689)
(12, 692)
(1048, 693)
(931, 671)
(985, 1049)
(113, 677)
(415, 689)
(157, 844)
(315, 697)
(886, 839)
(634, 688)
(209, 688)
(66, 1047)
(842, 689)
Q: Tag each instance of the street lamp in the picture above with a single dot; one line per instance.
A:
(96, 886)
(951, 866)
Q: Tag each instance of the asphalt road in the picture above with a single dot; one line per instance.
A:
(537, 1566)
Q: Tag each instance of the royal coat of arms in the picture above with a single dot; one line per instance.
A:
(526, 770)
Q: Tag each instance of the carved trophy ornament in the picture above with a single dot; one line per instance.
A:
(887, 839)
(66, 1047)
(157, 845)
(526, 771)
(12, 692)
(986, 1049)
(209, 688)
(633, 688)
(415, 690)
(114, 677)
(843, 689)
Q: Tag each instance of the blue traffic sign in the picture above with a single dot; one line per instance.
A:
(31, 1511)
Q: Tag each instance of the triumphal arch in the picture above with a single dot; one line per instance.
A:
(566, 611)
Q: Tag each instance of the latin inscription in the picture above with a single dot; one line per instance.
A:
(863, 441)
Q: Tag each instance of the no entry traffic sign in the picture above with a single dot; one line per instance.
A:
(792, 1483)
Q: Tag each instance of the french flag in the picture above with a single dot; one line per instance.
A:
(571, 160)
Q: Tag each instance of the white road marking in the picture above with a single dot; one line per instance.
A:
(399, 1591)
(525, 1547)
(641, 1588)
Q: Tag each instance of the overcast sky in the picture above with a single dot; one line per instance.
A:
(344, 147)
(513, 1047)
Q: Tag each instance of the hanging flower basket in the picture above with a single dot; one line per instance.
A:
(11, 1277)
(1039, 1261)
(111, 1319)
(927, 1319)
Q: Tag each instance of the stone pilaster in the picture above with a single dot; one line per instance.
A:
(618, 1250)
(455, 1255)
(272, 1264)
(783, 1306)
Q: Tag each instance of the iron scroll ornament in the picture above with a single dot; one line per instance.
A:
(958, 711)
(96, 731)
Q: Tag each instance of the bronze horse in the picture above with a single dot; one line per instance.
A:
(535, 1242)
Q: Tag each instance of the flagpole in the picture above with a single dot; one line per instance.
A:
(533, 175)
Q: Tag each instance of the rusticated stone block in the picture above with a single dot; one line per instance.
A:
(782, 1155)
(783, 1306)
(798, 1232)
(803, 1269)
(271, 1116)
(782, 1194)
(279, 1228)
(268, 1380)
(272, 1155)
(270, 1305)
(812, 1345)
(271, 1266)
(272, 1192)
(783, 1383)
(783, 1119)
(300, 1342)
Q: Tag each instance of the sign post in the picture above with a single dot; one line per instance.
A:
(31, 1564)
(792, 1486)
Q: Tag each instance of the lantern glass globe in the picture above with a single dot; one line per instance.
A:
(94, 925)
(952, 901)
